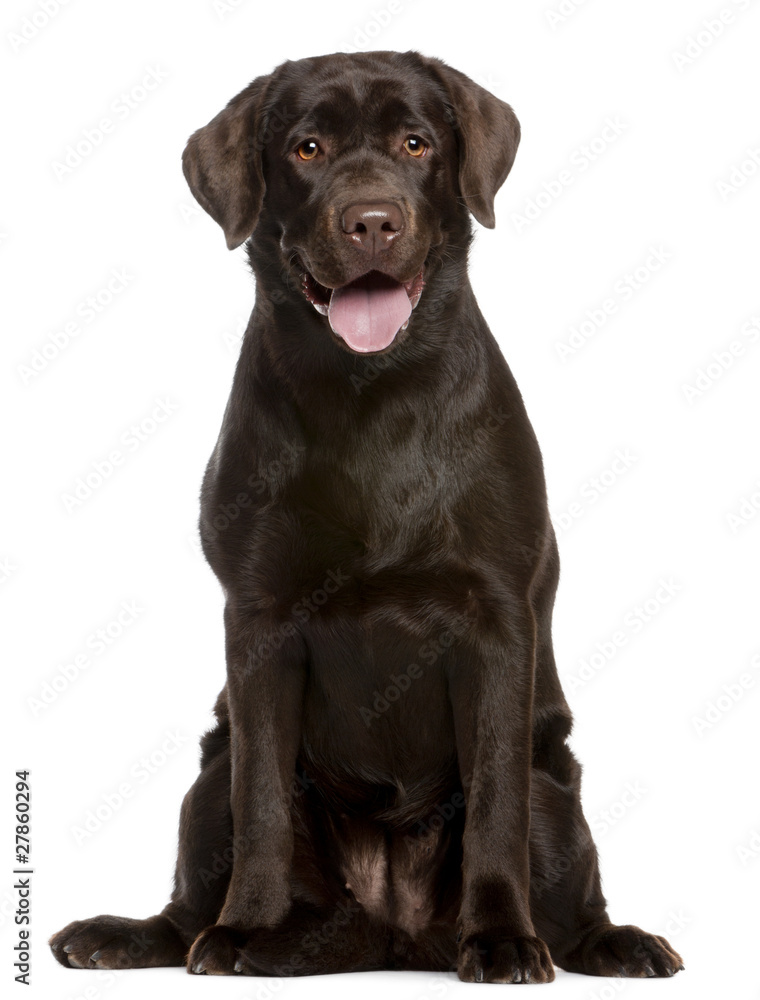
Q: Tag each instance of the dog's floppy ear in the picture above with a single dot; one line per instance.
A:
(489, 134)
(222, 164)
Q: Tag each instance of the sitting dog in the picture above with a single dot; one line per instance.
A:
(388, 785)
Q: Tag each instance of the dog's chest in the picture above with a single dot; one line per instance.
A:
(388, 501)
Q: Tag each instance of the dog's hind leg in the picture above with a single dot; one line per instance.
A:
(567, 905)
(566, 901)
(206, 844)
(202, 874)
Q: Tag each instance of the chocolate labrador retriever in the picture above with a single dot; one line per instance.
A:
(388, 785)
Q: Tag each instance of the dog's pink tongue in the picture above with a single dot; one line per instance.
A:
(369, 312)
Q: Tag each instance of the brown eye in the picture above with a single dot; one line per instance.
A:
(415, 146)
(308, 150)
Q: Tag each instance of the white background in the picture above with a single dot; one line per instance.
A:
(677, 852)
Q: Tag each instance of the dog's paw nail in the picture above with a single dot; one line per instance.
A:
(478, 975)
(649, 971)
(239, 965)
(96, 955)
(199, 968)
(67, 948)
(516, 978)
(526, 976)
(681, 968)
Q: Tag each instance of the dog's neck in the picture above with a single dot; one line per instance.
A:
(289, 340)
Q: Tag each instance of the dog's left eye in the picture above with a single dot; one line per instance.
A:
(415, 146)
(308, 150)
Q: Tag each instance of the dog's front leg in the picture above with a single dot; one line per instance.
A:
(491, 688)
(266, 666)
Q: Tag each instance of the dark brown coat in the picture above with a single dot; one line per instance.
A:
(388, 785)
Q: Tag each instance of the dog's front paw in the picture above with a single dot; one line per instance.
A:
(215, 952)
(495, 957)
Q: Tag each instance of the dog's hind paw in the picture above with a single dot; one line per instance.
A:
(624, 951)
(107, 942)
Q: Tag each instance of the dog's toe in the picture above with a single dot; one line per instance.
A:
(215, 952)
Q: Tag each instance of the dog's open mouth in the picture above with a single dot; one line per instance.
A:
(366, 313)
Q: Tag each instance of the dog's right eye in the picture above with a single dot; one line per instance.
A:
(415, 146)
(308, 150)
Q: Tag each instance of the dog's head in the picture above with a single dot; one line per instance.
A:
(360, 170)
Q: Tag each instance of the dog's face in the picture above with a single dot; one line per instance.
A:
(360, 170)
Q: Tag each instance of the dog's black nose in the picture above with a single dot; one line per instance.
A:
(373, 226)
